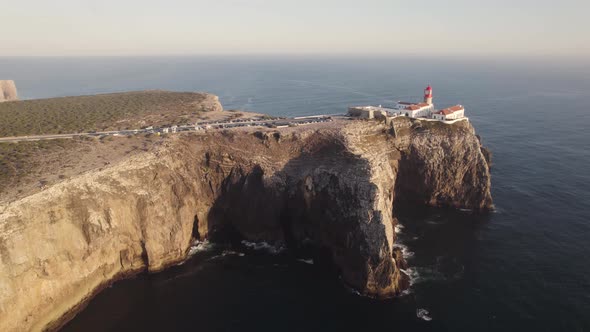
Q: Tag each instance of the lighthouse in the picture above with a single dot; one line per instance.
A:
(428, 95)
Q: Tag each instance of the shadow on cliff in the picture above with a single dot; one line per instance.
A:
(316, 206)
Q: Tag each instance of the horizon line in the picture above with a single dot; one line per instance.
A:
(316, 54)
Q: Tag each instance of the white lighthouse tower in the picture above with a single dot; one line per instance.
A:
(428, 95)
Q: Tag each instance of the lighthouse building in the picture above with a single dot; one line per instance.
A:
(423, 110)
(417, 110)
(451, 113)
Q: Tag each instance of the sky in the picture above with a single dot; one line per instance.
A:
(381, 27)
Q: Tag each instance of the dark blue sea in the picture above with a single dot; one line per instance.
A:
(525, 267)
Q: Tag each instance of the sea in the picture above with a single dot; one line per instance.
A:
(523, 267)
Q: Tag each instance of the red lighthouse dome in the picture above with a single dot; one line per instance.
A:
(428, 95)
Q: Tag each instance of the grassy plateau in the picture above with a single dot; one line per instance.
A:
(116, 111)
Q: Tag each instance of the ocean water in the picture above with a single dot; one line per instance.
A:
(524, 267)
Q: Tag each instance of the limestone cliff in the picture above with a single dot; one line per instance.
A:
(210, 103)
(7, 91)
(331, 187)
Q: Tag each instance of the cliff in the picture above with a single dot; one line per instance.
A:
(7, 91)
(330, 187)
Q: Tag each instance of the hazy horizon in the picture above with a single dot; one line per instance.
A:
(304, 27)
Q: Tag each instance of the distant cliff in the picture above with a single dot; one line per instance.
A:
(330, 187)
(7, 91)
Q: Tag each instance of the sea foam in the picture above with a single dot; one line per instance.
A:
(413, 274)
(405, 250)
(199, 246)
(264, 246)
(423, 314)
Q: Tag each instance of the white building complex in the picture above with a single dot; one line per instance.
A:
(451, 113)
(423, 110)
(420, 110)
(370, 112)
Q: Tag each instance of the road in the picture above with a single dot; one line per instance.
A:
(228, 124)
(56, 136)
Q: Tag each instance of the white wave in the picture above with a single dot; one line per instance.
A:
(263, 246)
(398, 228)
(196, 247)
(232, 253)
(413, 274)
(406, 253)
(423, 314)
(199, 246)
(214, 257)
(306, 261)
(407, 291)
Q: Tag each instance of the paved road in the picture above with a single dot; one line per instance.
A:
(199, 126)
(54, 136)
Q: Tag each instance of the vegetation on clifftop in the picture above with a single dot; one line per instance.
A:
(28, 166)
(19, 159)
(116, 111)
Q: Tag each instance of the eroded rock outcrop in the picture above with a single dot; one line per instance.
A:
(331, 187)
(211, 103)
(445, 166)
(7, 90)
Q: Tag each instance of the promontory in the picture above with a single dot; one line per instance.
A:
(91, 209)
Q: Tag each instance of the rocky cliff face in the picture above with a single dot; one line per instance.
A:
(7, 91)
(331, 188)
(442, 166)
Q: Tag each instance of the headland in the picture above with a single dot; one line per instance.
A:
(136, 202)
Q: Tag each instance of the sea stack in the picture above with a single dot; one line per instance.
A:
(7, 90)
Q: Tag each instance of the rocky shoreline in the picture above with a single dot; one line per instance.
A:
(334, 186)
